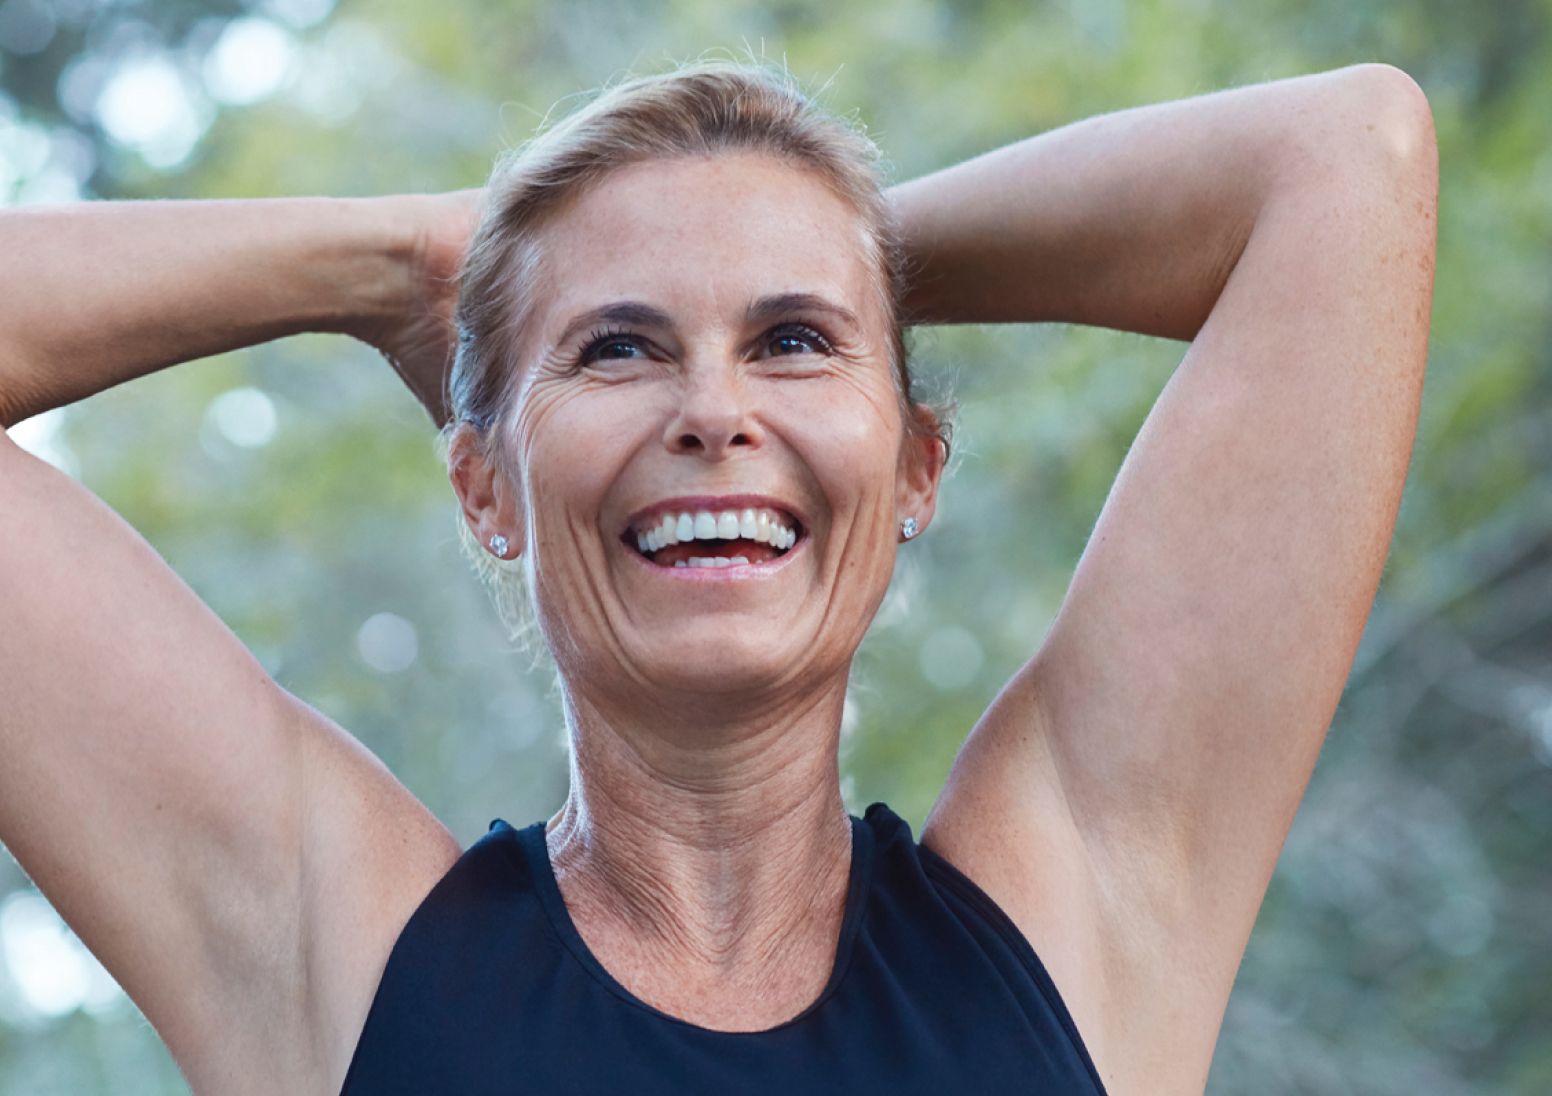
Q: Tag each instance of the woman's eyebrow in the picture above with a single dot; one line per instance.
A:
(637, 313)
(762, 310)
(780, 304)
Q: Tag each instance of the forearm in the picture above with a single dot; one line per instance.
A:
(97, 293)
(1132, 220)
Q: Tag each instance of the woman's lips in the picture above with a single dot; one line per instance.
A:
(714, 538)
(717, 560)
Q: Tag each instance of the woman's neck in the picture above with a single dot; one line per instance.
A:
(715, 850)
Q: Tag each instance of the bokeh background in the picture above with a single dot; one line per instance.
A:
(1403, 946)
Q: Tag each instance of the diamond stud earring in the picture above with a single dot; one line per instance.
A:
(909, 528)
(498, 544)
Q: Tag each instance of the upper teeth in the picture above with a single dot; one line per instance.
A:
(765, 526)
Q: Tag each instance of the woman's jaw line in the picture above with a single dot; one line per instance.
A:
(759, 715)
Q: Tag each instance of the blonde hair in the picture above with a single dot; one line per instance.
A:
(699, 108)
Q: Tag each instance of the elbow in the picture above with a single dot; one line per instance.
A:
(1362, 119)
(1366, 132)
(1388, 117)
(1397, 114)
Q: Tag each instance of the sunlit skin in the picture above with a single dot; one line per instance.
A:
(705, 830)
(244, 867)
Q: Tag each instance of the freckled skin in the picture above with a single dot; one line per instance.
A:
(711, 405)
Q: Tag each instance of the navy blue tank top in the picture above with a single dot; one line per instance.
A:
(491, 991)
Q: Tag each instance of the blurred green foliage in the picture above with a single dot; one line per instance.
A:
(1403, 945)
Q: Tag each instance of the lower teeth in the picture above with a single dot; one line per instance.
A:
(712, 561)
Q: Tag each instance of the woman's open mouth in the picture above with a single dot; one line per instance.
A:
(715, 538)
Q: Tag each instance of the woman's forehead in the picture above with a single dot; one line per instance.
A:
(723, 232)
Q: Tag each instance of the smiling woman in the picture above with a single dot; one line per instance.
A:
(708, 400)
(665, 349)
(597, 202)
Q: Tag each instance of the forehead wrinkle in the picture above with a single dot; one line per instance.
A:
(620, 215)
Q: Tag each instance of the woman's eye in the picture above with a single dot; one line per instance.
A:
(608, 349)
(782, 342)
(798, 339)
(610, 346)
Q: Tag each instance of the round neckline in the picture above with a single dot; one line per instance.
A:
(857, 889)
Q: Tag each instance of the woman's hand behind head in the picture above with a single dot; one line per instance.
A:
(419, 339)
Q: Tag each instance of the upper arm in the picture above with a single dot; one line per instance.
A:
(169, 798)
(1153, 752)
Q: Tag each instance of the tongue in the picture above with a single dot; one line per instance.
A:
(752, 550)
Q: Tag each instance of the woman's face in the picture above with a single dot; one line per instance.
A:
(709, 438)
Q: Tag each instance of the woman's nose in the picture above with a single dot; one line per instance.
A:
(713, 415)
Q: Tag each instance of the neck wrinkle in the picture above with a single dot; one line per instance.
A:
(722, 848)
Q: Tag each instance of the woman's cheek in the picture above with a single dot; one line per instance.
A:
(561, 423)
(845, 424)
(573, 444)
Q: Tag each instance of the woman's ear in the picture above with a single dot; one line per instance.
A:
(922, 459)
(484, 493)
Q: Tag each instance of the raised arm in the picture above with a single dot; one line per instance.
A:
(99, 293)
(1134, 220)
(194, 823)
(1127, 795)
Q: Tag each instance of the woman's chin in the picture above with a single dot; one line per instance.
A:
(722, 660)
